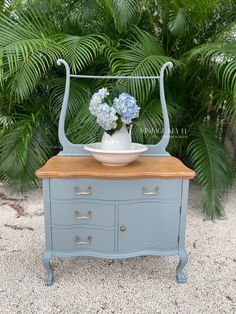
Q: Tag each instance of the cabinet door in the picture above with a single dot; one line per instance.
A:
(149, 226)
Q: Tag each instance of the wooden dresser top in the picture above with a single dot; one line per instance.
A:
(88, 167)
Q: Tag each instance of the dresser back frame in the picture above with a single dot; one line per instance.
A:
(70, 149)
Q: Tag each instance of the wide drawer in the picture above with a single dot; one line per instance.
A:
(81, 213)
(169, 189)
(76, 239)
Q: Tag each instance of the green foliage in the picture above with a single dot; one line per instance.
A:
(143, 56)
(149, 127)
(80, 51)
(125, 37)
(26, 144)
(78, 100)
(124, 12)
(212, 165)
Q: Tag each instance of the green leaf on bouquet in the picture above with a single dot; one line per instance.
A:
(117, 90)
(108, 101)
(119, 124)
(110, 132)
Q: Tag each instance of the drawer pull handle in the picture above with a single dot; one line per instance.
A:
(79, 216)
(81, 242)
(88, 192)
(154, 192)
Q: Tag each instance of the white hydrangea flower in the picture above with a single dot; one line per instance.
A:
(103, 92)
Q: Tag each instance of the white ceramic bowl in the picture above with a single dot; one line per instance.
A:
(115, 158)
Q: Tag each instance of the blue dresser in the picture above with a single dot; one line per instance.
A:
(114, 212)
(95, 210)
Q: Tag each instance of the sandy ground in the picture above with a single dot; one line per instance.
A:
(137, 285)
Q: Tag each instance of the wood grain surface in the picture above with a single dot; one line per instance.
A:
(88, 167)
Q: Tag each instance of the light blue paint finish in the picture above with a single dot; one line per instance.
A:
(64, 240)
(154, 224)
(116, 255)
(149, 226)
(70, 149)
(116, 227)
(183, 256)
(48, 239)
(168, 189)
(47, 264)
(82, 213)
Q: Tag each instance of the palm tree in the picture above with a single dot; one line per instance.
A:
(119, 37)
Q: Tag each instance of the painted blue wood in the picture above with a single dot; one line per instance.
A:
(64, 239)
(149, 226)
(168, 189)
(115, 255)
(48, 240)
(154, 224)
(82, 213)
(47, 264)
(183, 256)
(70, 149)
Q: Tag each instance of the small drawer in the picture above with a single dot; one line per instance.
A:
(77, 239)
(81, 213)
(169, 189)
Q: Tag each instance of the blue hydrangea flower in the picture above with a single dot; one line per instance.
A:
(106, 117)
(126, 106)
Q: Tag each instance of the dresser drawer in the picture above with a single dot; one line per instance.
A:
(77, 239)
(81, 213)
(169, 189)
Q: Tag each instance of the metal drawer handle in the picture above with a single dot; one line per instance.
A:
(81, 242)
(154, 192)
(88, 192)
(79, 216)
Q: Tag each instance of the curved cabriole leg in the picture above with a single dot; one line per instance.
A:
(183, 259)
(47, 265)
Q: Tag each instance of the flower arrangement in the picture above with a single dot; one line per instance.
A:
(111, 115)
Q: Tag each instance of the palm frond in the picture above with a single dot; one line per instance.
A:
(80, 51)
(26, 67)
(24, 147)
(83, 128)
(224, 101)
(26, 53)
(124, 12)
(149, 128)
(79, 97)
(144, 57)
(221, 60)
(212, 165)
(28, 24)
(178, 22)
(5, 120)
(87, 17)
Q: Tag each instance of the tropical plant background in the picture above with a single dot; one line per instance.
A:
(126, 37)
